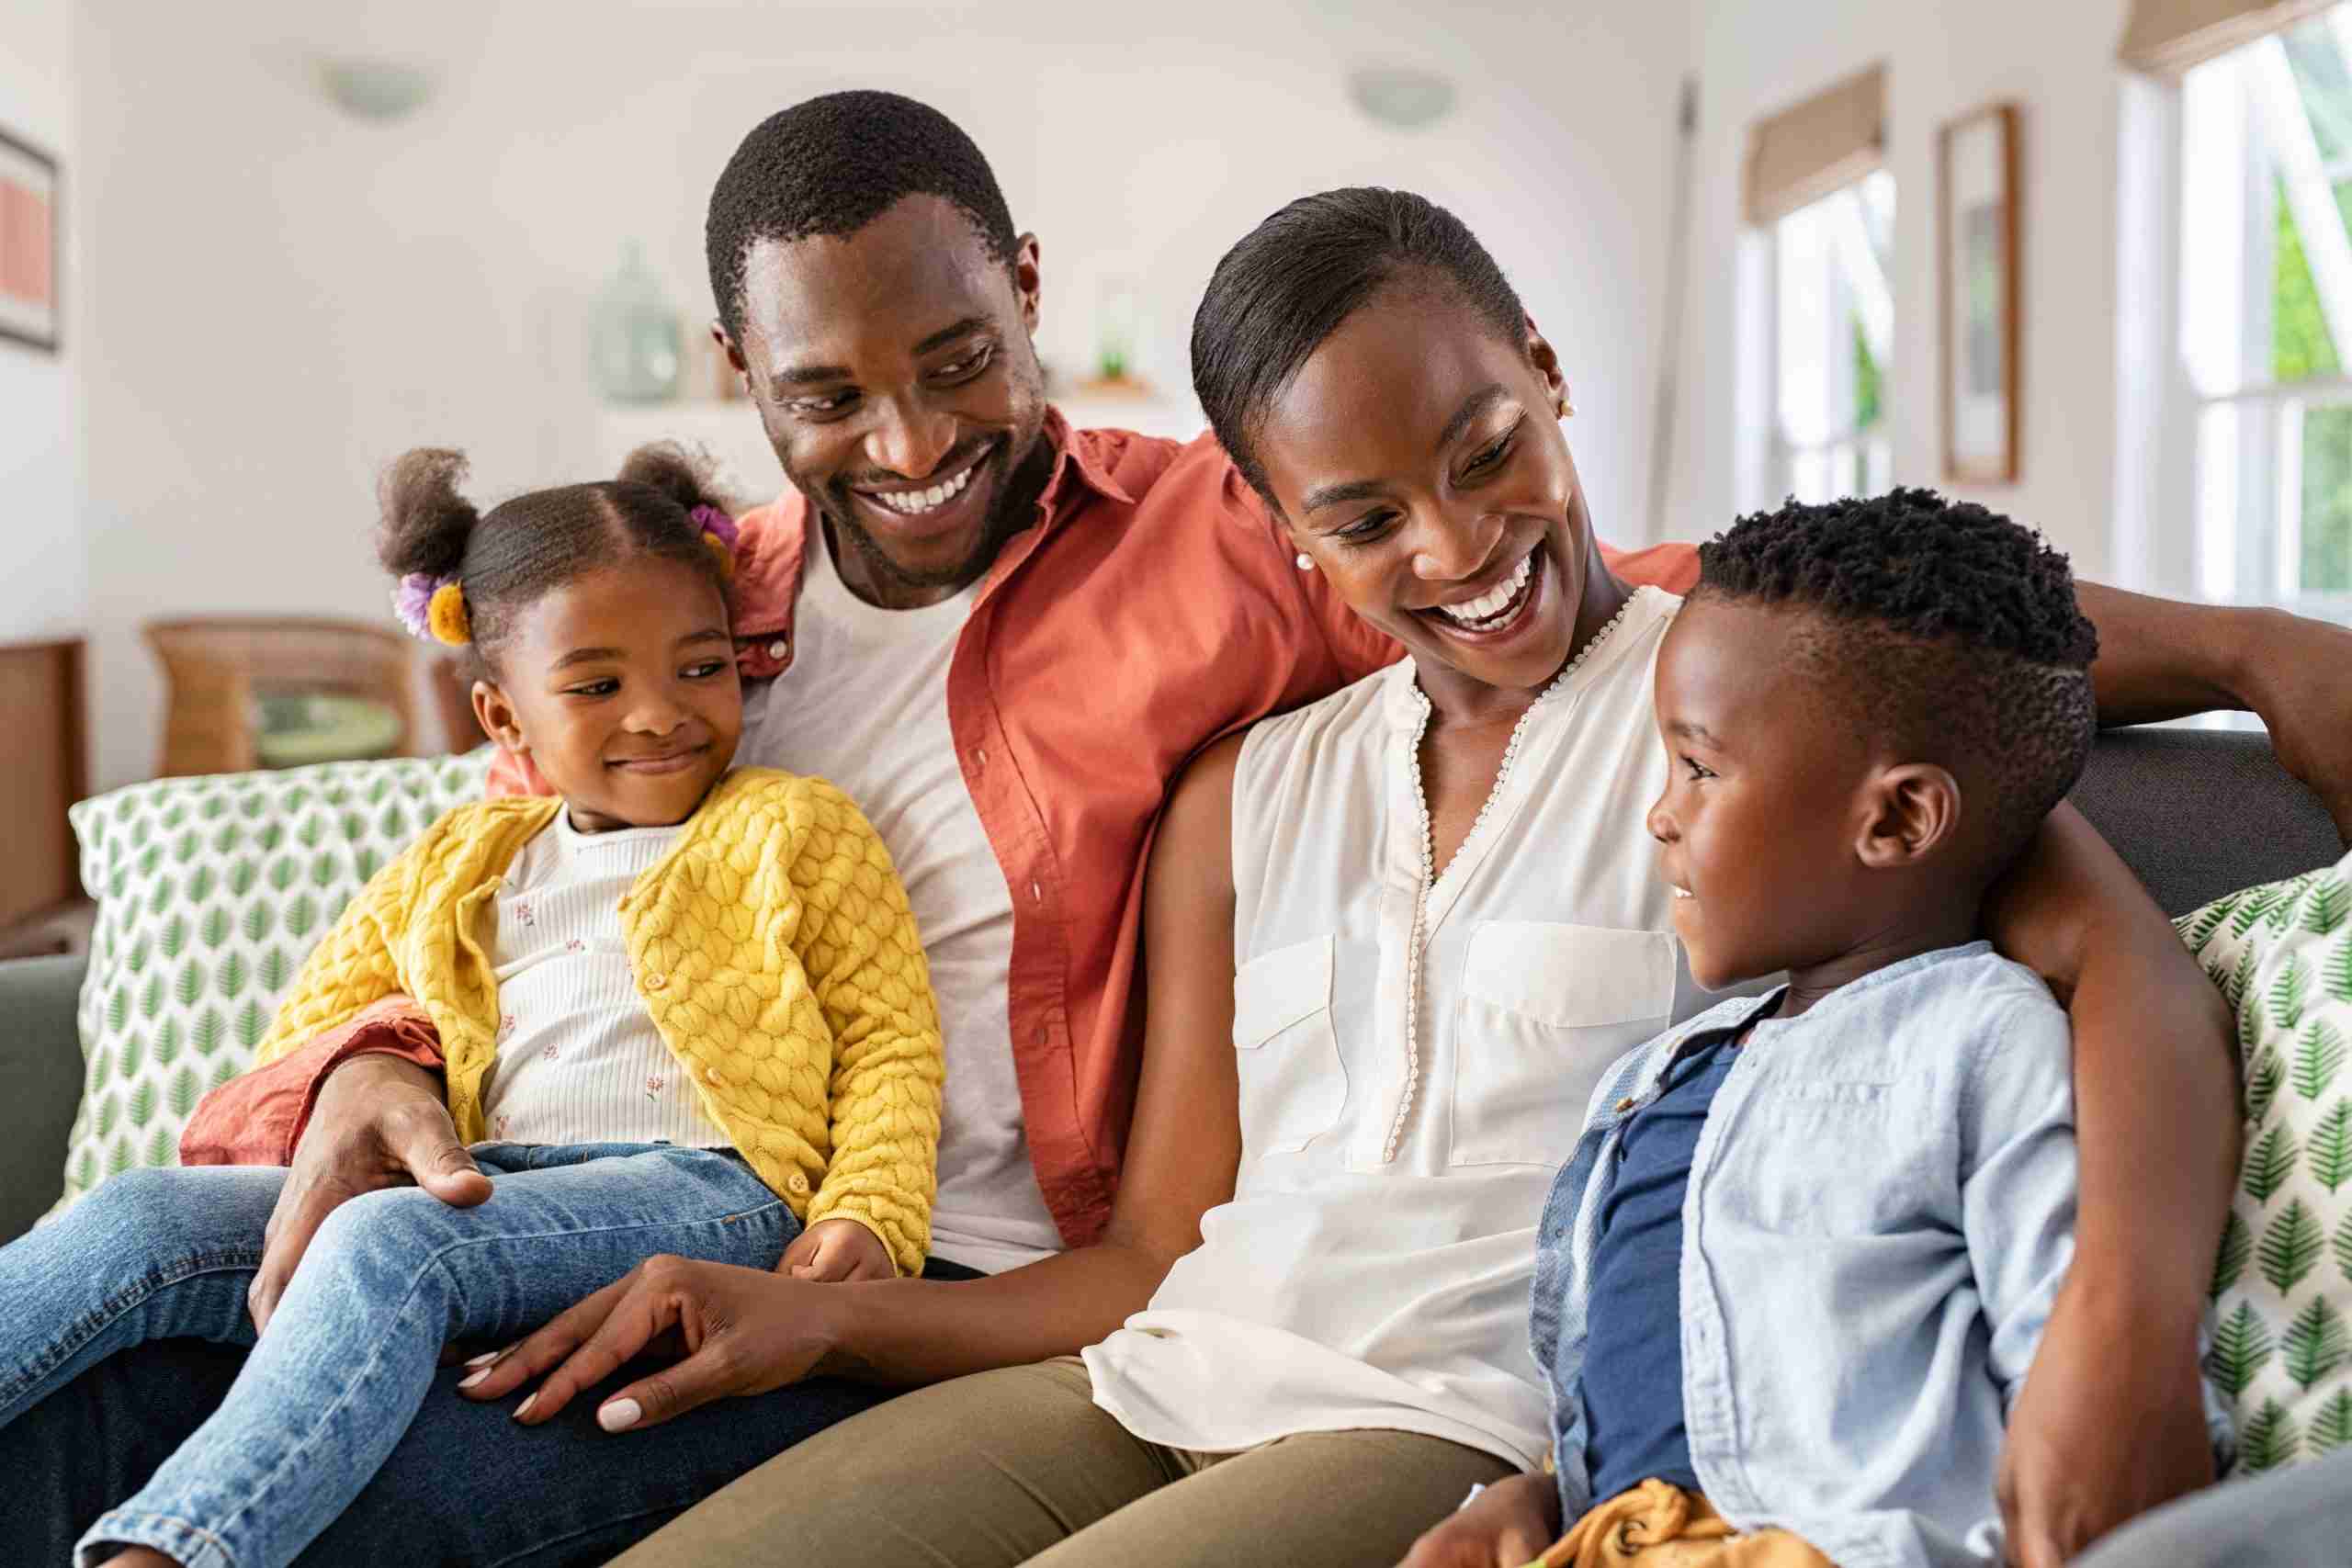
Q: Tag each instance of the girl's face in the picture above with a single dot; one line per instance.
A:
(621, 687)
(1419, 461)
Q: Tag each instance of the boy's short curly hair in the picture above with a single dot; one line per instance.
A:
(1942, 625)
(832, 164)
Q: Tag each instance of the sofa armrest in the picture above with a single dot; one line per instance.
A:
(40, 1084)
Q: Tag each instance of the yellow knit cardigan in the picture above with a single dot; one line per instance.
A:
(773, 945)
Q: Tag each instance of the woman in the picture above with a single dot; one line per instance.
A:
(1404, 929)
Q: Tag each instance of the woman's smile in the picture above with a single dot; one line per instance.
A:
(1498, 613)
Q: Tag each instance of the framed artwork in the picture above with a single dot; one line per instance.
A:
(30, 218)
(1977, 163)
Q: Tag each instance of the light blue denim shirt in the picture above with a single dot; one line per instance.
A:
(1880, 1213)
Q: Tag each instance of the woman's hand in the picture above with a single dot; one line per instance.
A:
(1506, 1525)
(832, 1251)
(2088, 1450)
(735, 1331)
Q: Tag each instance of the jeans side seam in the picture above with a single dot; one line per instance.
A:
(297, 1450)
(120, 1303)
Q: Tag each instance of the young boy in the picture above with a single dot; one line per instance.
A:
(1796, 1268)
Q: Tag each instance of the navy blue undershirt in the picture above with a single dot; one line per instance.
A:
(1633, 1364)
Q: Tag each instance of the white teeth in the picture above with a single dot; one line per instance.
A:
(915, 502)
(1495, 600)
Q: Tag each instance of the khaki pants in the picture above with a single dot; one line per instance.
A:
(1019, 1466)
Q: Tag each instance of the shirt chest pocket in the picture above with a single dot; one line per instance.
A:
(1285, 1050)
(1883, 1183)
(1545, 1009)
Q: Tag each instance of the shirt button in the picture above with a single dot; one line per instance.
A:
(710, 1075)
(1626, 1103)
(778, 649)
(980, 758)
(796, 1184)
(1036, 893)
(655, 981)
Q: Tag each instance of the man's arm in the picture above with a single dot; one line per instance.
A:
(2156, 1134)
(750, 1332)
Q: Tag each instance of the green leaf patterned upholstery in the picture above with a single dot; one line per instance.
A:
(2281, 952)
(211, 892)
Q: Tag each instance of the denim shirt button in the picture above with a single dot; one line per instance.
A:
(1625, 1104)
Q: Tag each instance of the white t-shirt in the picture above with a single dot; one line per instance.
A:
(1373, 1266)
(579, 1059)
(864, 704)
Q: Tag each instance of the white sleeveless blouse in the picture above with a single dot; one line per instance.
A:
(1373, 1269)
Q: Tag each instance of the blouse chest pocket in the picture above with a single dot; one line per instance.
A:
(1285, 1050)
(1545, 1009)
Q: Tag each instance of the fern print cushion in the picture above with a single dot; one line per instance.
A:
(2282, 1284)
(210, 893)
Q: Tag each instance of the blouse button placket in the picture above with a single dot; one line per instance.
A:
(1413, 953)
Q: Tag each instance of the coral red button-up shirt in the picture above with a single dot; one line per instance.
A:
(1153, 607)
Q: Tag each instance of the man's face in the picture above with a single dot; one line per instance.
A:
(894, 371)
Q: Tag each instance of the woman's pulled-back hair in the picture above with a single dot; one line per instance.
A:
(526, 547)
(1294, 280)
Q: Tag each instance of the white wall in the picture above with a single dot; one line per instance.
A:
(283, 298)
(1945, 57)
(43, 587)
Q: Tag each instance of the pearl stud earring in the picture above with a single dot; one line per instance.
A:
(1304, 563)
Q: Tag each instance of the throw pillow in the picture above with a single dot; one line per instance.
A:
(210, 893)
(2282, 1284)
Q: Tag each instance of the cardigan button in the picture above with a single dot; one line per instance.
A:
(796, 1184)
(710, 1075)
(656, 982)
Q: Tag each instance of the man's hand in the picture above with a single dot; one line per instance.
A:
(2299, 678)
(2088, 1450)
(379, 1122)
(737, 1330)
(832, 1251)
(1506, 1525)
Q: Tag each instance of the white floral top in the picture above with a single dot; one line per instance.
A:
(579, 1059)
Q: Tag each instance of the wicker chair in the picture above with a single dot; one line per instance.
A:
(221, 669)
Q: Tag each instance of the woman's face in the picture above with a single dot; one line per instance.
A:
(1419, 461)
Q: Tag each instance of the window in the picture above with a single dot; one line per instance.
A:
(2266, 315)
(1833, 332)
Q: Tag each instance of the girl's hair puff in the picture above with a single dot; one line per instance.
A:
(529, 545)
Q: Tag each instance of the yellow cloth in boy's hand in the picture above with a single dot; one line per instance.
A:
(1660, 1525)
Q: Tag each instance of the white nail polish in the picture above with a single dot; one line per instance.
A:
(485, 1358)
(619, 1416)
(524, 1408)
(472, 1378)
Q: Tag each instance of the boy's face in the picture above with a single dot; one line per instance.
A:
(1764, 801)
(620, 686)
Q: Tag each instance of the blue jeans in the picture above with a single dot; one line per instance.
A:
(322, 1400)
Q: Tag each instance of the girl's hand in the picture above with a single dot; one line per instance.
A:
(731, 1330)
(833, 1250)
(1506, 1525)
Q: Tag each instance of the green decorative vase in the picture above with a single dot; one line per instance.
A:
(635, 350)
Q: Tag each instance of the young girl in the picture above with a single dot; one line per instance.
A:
(687, 1007)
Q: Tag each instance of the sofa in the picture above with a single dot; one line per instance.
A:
(2196, 813)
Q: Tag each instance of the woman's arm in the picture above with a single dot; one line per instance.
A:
(2156, 1129)
(747, 1332)
(2159, 659)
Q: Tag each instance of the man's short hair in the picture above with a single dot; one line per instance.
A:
(833, 164)
(1943, 628)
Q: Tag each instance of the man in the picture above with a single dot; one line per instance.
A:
(1004, 638)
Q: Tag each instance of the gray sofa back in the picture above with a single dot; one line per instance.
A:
(2201, 813)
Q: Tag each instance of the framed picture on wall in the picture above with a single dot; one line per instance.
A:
(30, 309)
(1977, 159)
